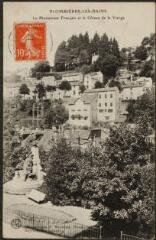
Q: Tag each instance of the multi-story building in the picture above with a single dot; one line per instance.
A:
(136, 89)
(82, 111)
(96, 105)
(72, 76)
(107, 104)
(91, 78)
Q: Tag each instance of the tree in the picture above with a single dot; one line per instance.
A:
(108, 65)
(98, 84)
(141, 53)
(40, 89)
(82, 88)
(119, 202)
(24, 90)
(60, 172)
(40, 68)
(65, 85)
(61, 57)
(95, 44)
(56, 115)
(148, 69)
(142, 108)
(115, 83)
(50, 88)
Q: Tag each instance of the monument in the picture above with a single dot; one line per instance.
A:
(30, 177)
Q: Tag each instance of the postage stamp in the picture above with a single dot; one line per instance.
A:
(30, 41)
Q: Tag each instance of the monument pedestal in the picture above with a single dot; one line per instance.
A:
(21, 187)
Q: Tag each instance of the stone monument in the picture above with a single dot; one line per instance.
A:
(30, 177)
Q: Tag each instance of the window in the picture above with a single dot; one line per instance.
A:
(106, 104)
(110, 110)
(105, 95)
(100, 110)
(105, 110)
(73, 110)
(99, 104)
(111, 104)
(85, 110)
(99, 95)
(85, 118)
(74, 92)
(111, 95)
(107, 118)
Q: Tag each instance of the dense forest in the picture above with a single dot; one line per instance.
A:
(79, 50)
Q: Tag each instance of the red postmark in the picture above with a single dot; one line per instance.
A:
(30, 41)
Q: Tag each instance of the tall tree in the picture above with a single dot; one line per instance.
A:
(24, 90)
(40, 89)
(95, 44)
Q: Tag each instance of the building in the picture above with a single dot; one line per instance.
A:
(95, 57)
(136, 89)
(146, 81)
(82, 111)
(49, 80)
(91, 78)
(107, 106)
(72, 76)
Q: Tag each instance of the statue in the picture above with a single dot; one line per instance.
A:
(27, 177)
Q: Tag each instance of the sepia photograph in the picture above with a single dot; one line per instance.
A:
(79, 120)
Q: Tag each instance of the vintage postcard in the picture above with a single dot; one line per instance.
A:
(78, 120)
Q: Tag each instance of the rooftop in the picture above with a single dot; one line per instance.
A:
(87, 99)
(102, 90)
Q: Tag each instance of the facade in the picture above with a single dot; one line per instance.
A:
(135, 90)
(71, 76)
(91, 78)
(82, 111)
(49, 80)
(146, 81)
(107, 104)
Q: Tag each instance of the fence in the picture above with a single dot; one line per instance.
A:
(18, 218)
(130, 237)
(61, 227)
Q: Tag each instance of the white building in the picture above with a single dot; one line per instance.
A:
(82, 111)
(107, 104)
(91, 78)
(146, 81)
(136, 89)
(95, 57)
(49, 80)
(71, 76)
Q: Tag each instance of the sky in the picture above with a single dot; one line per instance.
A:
(134, 22)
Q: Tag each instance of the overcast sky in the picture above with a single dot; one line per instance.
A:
(138, 21)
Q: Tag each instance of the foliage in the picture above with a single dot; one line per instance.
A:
(120, 202)
(82, 88)
(143, 108)
(40, 68)
(108, 65)
(41, 91)
(148, 69)
(24, 89)
(108, 178)
(78, 51)
(141, 53)
(56, 115)
(65, 85)
(98, 84)
(115, 83)
(50, 88)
